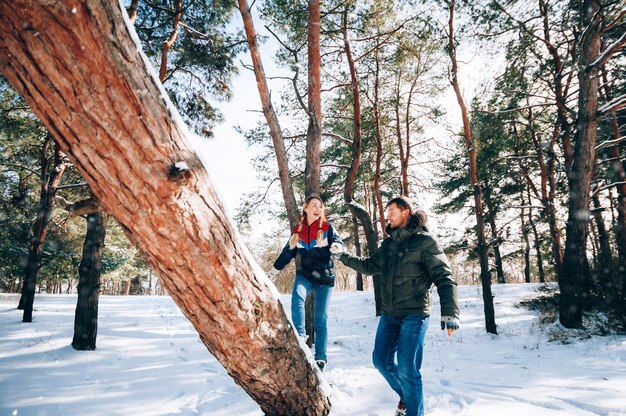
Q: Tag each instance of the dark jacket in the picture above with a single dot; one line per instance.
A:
(409, 262)
(316, 262)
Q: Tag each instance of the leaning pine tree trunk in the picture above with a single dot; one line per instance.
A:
(80, 71)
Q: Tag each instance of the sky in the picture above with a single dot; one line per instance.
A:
(150, 361)
(228, 158)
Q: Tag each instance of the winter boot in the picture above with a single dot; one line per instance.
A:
(401, 410)
(321, 364)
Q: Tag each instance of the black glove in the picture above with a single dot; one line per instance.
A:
(450, 323)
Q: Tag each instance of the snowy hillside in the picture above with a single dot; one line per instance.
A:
(150, 361)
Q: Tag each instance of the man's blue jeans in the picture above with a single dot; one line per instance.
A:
(404, 336)
(301, 287)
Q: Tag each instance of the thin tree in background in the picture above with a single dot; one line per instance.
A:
(359, 213)
(50, 176)
(286, 185)
(482, 249)
(357, 145)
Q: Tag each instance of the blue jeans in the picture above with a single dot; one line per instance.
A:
(402, 336)
(301, 287)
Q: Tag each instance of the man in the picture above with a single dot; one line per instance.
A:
(409, 262)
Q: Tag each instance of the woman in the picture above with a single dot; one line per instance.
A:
(311, 239)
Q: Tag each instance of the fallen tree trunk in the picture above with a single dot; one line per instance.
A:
(76, 64)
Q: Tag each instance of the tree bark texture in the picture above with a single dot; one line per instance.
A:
(548, 196)
(50, 180)
(89, 271)
(276, 133)
(485, 275)
(575, 267)
(314, 131)
(80, 71)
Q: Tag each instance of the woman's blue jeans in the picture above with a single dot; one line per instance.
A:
(301, 287)
(402, 336)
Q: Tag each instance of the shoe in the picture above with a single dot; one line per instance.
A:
(401, 410)
(321, 364)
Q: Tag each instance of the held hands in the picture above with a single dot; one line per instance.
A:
(336, 249)
(450, 323)
(273, 273)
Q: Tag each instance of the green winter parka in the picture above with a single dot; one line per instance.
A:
(409, 262)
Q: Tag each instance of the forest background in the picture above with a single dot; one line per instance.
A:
(520, 75)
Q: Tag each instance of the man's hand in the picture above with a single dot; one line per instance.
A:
(450, 323)
(336, 248)
(273, 273)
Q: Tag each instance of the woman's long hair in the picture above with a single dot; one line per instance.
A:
(293, 241)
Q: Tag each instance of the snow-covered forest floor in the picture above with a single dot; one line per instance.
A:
(149, 361)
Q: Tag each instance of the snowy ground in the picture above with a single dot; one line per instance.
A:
(149, 361)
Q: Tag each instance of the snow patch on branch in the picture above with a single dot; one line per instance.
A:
(613, 105)
(356, 205)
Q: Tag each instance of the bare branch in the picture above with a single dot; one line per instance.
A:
(333, 165)
(13, 165)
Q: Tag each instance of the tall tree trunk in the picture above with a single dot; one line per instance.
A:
(620, 179)
(77, 66)
(604, 268)
(525, 239)
(357, 210)
(485, 275)
(575, 267)
(89, 271)
(407, 132)
(495, 243)
(548, 194)
(379, 146)
(357, 250)
(50, 180)
(286, 185)
(537, 243)
(314, 131)
(396, 106)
